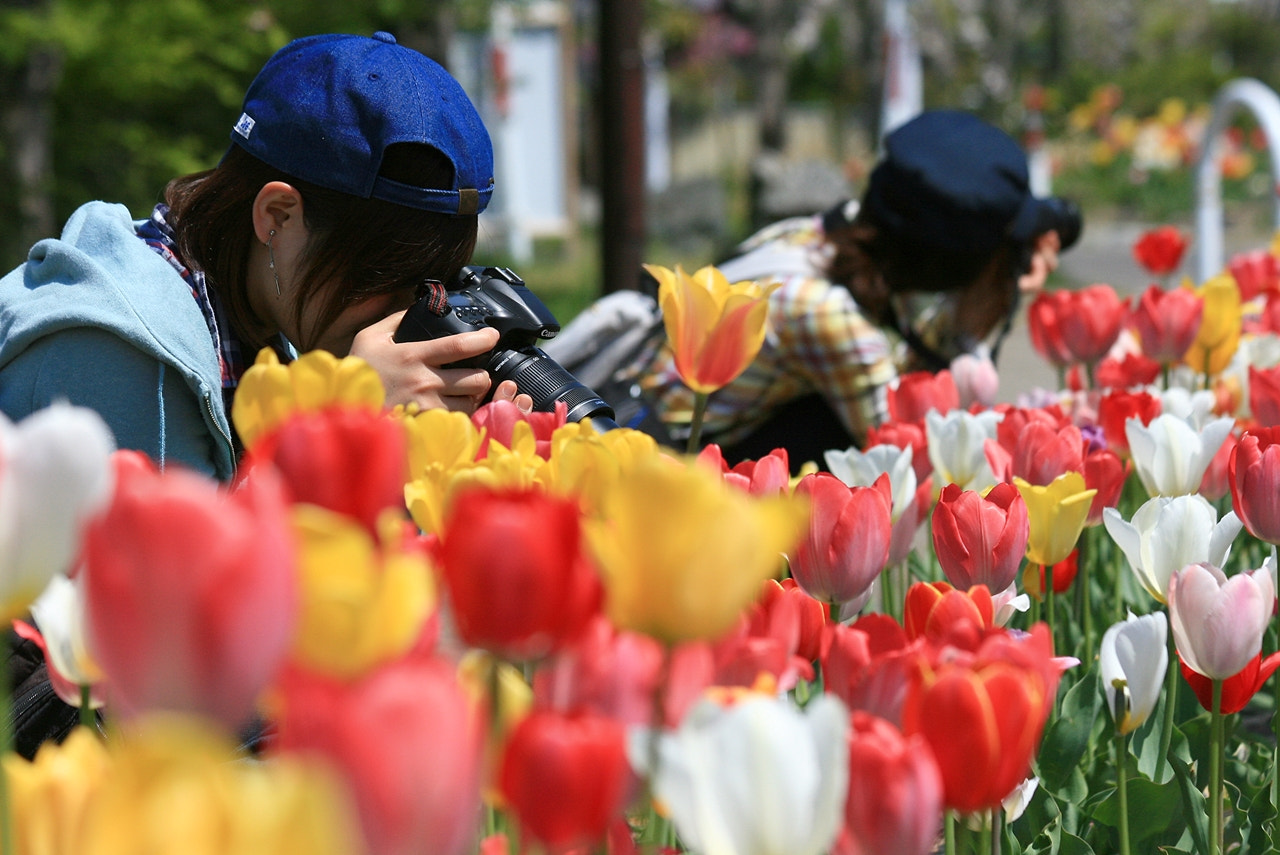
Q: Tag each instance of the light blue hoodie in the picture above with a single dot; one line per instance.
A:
(97, 318)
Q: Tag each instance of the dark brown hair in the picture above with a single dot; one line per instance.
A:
(873, 263)
(370, 246)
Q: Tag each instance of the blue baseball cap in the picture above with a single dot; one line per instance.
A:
(324, 109)
(949, 181)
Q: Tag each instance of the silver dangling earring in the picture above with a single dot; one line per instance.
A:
(271, 254)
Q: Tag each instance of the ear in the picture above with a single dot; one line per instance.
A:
(276, 206)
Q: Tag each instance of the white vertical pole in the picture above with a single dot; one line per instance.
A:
(903, 77)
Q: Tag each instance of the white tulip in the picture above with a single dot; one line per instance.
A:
(1168, 533)
(758, 777)
(55, 472)
(1132, 661)
(1171, 455)
(59, 615)
(957, 447)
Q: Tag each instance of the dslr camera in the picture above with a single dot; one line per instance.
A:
(496, 297)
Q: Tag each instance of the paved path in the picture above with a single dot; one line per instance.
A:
(1104, 254)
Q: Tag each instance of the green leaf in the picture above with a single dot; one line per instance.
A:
(1072, 845)
(1067, 738)
(1193, 804)
(1154, 812)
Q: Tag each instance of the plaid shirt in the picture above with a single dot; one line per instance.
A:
(817, 340)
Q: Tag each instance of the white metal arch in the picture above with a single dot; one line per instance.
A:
(1263, 102)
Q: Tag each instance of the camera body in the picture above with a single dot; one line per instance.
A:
(496, 297)
(1055, 214)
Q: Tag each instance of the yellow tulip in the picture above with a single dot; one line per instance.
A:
(49, 795)
(174, 788)
(683, 553)
(442, 438)
(170, 786)
(1219, 335)
(715, 328)
(270, 392)
(362, 603)
(1057, 514)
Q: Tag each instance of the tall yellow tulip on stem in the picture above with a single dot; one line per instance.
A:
(1219, 335)
(1057, 514)
(715, 329)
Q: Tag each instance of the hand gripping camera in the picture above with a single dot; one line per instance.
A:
(496, 297)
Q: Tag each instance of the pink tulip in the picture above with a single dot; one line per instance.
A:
(1253, 473)
(976, 379)
(894, 802)
(1218, 622)
(191, 593)
(847, 544)
(980, 540)
(407, 739)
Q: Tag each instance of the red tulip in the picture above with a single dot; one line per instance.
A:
(1264, 395)
(1253, 473)
(1105, 472)
(1160, 250)
(346, 459)
(980, 540)
(1044, 324)
(406, 738)
(1117, 407)
(518, 578)
(1167, 322)
(811, 616)
(1215, 484)
(191, 592)
(1064, 573)
(1129, 371)
(944, 614)
(1255, 272)
(869, 664)
(918, 392)
(1092, 323)
(982, 716)
(847, 543)
(566, 776)
(894, 803)
(1237, 691)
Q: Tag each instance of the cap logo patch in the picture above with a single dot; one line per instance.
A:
(244, 126)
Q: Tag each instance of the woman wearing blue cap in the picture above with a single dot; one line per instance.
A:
(926, 266)
(355, 173)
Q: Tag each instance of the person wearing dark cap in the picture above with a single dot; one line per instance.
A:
(354, 175)
(926, 266)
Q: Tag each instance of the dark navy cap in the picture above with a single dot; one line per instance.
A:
(950, 181)
(324, 109)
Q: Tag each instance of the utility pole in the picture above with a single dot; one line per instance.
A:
(622, 143)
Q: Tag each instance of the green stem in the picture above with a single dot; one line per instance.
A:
(949, 831)
(1170, 701)
(833, 609)
(1275, 760)
(1215, 772)
(997, 826)
(1048, 603)
(87, 718)
(1122, 790)
(695, 427)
